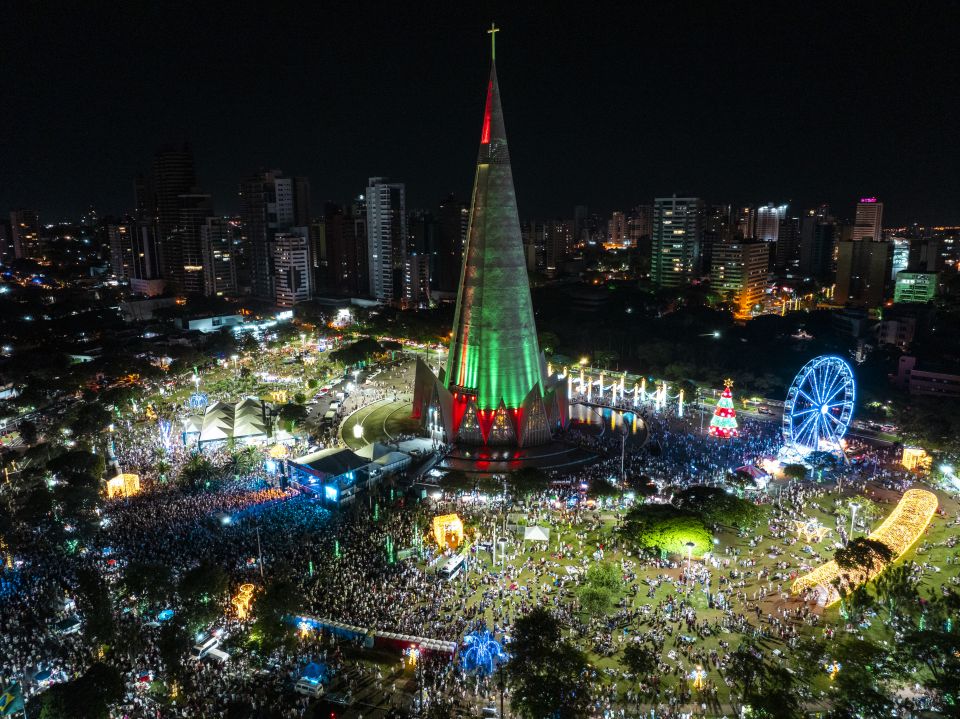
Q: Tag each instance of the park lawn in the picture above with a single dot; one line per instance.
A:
(938, 533)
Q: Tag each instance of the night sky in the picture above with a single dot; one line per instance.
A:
(605, 107)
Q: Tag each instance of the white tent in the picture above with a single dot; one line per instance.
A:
(536, 534)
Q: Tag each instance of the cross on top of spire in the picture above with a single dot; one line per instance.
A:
(492, 32)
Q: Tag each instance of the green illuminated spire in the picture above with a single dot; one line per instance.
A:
(494, 354)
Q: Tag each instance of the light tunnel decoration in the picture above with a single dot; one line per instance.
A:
(902, 527)
(448, 530)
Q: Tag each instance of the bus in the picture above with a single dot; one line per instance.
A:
(452, 566)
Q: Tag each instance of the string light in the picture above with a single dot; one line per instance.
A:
(902, 527)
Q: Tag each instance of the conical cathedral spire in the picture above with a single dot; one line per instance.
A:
(494, 359)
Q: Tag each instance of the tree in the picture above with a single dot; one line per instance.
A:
(602, 583)
(93, 600)
(897, 589)
(204, 583)
(662, 527)
(724, 421)
(198, 472)
(547, 674)
(292, 414)
(860, 686)
(600, 488)
(595, 601)
(863, 554)
(90, 419)
(28, 432)
(456, 481)
(150, 580)
(718, 508)
(528, 481)
(768, 689)
(795, 471)
(641, 659)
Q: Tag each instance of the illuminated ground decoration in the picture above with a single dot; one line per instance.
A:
(904, 526)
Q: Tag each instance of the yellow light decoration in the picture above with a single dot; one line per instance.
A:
(915, 458)
(123, 485)
(448, 530)
(899, 531)
(278, 451)
(279, 396)
(304, 630)
(241, 602)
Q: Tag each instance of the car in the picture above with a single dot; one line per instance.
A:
(70, 625)
(203, 647)
(764, 410)
(308, 687)
(490, 712)
(218, 656)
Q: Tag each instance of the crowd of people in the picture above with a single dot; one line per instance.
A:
(344, 568)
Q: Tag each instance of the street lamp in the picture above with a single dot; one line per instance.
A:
(689, 546)
(234, 358)
(853, 516)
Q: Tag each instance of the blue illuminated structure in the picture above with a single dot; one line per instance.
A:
(165, 428)
(481, 653)
(819, 406)
(198, 400)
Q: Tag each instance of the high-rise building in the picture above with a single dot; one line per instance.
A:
(557, 244)
(270, 202)
(25, 231)
(901, 256)
(716, 228)
(386, 238)
(193, 211)
(868, 223)
(173, 175)
(818, 238)
(863, 272)
(739, 273)
(6, 242)
(416, 280)
(924, 255)
(292, 268)
(452, 224)
(677, 234)
(219, 262)
(617, 236)
(767, 223)
(346, 234)
(122, 239)
(146, 250)
(493, 391)
(745, 222)
(788, 244)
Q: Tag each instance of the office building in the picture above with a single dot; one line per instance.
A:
(868, 222)
(739, 273)
(901, 256)
(25, 234)
(6, 242)
(915, 287)
(675, 246)
(270, 203)
(933, 382)
(386, 238)
(292, 268)
(557, 244)
(219, 260)
(863, 272)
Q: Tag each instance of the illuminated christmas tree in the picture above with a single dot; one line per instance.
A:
(724, 422)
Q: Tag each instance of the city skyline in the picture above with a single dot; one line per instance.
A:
(708, 120)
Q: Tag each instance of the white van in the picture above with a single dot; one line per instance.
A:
(203, 647)
(308, 687)
(218, 655)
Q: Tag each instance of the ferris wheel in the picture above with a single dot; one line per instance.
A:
(819, 405)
